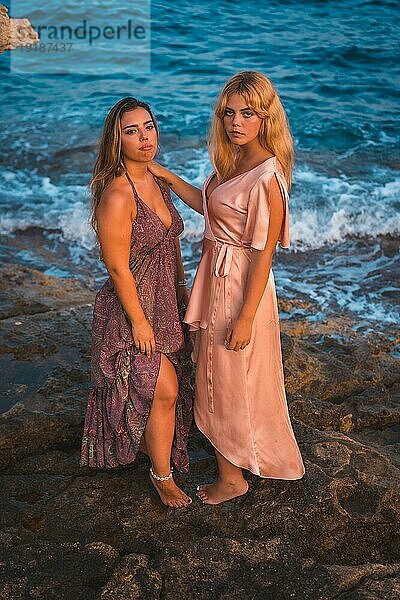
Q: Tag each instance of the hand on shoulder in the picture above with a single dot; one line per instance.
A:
(158, 170)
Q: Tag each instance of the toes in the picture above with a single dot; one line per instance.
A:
(201, 492)
(208, 502)
(180, 504)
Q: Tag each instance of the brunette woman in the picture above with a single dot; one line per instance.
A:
(140, 397)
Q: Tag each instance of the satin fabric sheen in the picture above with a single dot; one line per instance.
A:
(240, 401)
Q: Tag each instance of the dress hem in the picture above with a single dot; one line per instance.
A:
(246, 468)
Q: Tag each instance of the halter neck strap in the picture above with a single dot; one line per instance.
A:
(132, 186)
(137, 197)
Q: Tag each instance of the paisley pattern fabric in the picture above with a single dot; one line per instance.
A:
(123, 380)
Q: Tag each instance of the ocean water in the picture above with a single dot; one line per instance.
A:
(335, 65)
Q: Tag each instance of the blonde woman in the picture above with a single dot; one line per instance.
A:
(240, 401)
(140, 396)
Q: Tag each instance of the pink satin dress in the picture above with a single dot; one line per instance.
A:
(240, 401)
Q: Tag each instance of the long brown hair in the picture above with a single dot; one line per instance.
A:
(109, 162)
(274, 134)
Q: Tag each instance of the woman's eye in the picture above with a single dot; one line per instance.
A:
(150, 127)
(131, 131)
(228, 113)
(248, 114)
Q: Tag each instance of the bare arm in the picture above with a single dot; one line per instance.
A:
(190, 194)
(239, 336)
(114, 222)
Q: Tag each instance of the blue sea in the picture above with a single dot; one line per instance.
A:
(335, 65)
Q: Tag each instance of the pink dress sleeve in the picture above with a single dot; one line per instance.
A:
(258, 211)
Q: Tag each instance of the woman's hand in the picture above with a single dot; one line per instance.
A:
(158, 170)
(143, 337)
(238, 334)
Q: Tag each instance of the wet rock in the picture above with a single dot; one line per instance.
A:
(331, 365)
(67, 571)
(68, 532)
(45, 356)
(25, 292)
(134, 579)
(245, 569)
(340, 380)
(349, 492)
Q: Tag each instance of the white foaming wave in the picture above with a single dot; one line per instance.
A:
(197, 167)
(326, 209)
(75, 226)
(194, 224)
(192, 164)
(31, 200)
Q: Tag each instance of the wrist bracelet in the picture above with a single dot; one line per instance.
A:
(182, 283)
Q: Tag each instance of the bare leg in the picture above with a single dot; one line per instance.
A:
(159, 434)
(230, 483)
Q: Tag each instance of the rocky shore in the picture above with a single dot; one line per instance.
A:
(69, 533)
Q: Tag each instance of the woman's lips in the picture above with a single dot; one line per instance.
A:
(146, 148)
(236, 133)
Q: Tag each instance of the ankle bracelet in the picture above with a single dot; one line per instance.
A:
(158, 478)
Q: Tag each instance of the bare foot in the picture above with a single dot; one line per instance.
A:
(217, 492)
(170, 494)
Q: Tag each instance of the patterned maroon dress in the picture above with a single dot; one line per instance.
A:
(123, 380)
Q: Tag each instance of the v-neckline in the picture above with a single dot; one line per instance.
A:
(232, 178)
(167, 229)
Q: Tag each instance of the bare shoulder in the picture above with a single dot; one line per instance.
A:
(117, 199)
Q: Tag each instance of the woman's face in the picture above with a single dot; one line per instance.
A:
(241, 122)
(138, 135)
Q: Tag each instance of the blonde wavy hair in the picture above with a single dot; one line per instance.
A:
(274, 135)
(110, 161)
